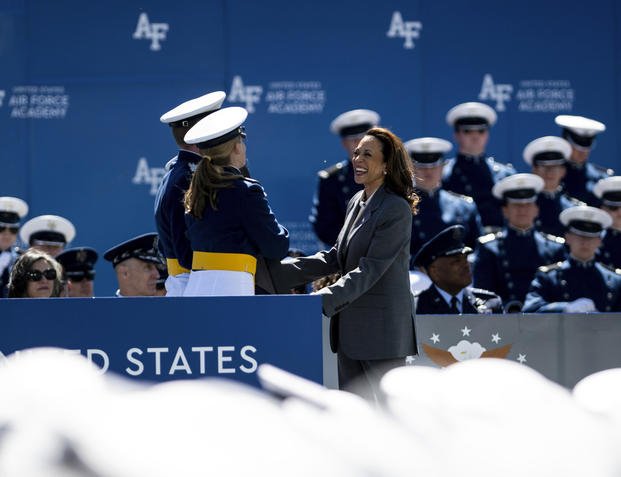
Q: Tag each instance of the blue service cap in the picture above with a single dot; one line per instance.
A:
(143, 247)
(78, 259)
(447, 243)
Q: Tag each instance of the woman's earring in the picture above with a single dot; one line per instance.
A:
(384, 172)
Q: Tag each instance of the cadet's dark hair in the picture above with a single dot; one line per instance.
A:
(399, 173)
(18, 281)
(209, 177)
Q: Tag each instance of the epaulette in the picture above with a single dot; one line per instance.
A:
(575, 201)
(489, 237)
(467, 198)
(554, 238)
(481, 293)
(611, 268)
(330, 171)
(549, 268)
(607, 170)
(250, 179)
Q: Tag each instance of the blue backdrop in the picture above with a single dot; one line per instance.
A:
(82, 90)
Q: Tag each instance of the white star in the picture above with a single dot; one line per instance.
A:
(521, 358)
(465, 331)
(435, 338)
(409, 360)
(496, 338)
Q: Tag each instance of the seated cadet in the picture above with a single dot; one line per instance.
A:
(472, 172)
(48, 233)
(581, 174)
(444, 259)
(135, 263)
(548, 157)
(12, 210)
(438, 208)
(336, 184)
(579, 284)
(609, 192)
(507, 261)
(229, 222)
(78, 271)
(169, 211)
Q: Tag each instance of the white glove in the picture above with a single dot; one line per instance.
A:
(581, 305)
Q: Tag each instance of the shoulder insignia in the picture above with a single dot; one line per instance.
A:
(330, 171)
(251, 180)
(554, 238)
(467, 198)
(575, 201)
(488, 238)
(481, 293)
(604, 169)
(549, 268)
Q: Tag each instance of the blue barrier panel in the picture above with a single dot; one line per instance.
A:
(160, 339)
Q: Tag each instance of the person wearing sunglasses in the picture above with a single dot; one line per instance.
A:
(548, 158)
(35, 274)
(48, 233)
(229, 222)
(79, 271)
(169, 211)
(12, 210)
(582, 175)
(472, 172)
(609, 192)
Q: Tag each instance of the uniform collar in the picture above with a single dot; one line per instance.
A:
(520, 232)
(469, 158)
(551, 194)
(447, 297)
(189, 156)
(579, 263)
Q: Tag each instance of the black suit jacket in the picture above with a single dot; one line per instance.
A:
(475, 300)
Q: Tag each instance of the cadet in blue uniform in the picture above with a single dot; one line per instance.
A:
(12, 210)
(548, 158)
(336, 184)
(444, 259)
(438, 208)
(48, 233)
(135, 262)
(229, 221)
(507, 261)
(472, 172)
(581, 174)
(169, 210)
(579, 284)
(79, 271)
(608, 191)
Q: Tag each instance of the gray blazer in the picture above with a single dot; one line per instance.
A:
(371, 305)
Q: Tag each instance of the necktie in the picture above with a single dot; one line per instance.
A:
(454, 308)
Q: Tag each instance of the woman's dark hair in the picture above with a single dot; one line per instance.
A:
(18, 281)
(399, 173)
(209, 177)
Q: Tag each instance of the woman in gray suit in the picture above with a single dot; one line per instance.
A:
(370, 305)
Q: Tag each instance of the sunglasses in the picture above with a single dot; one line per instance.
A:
(11, 229)
(77, 277)
(37, 276)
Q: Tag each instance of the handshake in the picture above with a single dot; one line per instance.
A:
(581, 305)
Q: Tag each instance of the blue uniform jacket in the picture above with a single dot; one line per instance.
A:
(169, 210)
(441, 210)
(242, 223)
(430, 302)
(335, 188)
(5, 273)
(506, 262)
(610, 251)
(550, 206)
(475, 177)
(579, 181)
(556, 285)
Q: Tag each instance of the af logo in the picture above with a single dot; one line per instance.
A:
(241, 93)
(148, 175)
(155, 32)
(2, 94)
(495, 92)
(405, 30)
